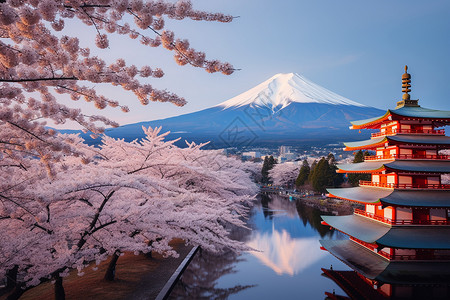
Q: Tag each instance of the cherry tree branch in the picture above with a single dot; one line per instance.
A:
(38, 79)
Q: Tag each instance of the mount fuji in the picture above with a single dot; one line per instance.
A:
(286, 108)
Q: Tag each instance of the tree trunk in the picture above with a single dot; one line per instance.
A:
(110, 274)
(150, 243)
(11, 277)
(59, 289)
(17, 292)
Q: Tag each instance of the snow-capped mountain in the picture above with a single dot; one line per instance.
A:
(286, 108)
(283, 89)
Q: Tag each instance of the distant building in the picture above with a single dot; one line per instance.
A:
(285, 149)
(286, 154)
(251, 155)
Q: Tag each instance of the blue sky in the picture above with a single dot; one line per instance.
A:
(357, 49)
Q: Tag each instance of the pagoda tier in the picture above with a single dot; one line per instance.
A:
(358, 287)
(404, 166)
(437, 118)
(375, 266)
(354, 285)
(428, 142)
(395, 197)
(383, 234)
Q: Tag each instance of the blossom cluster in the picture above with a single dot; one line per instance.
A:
(36, 64)
(62, 203)
(131, 197)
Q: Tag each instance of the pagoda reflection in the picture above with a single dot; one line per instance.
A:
(399, 245)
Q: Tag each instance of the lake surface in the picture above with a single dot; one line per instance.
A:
(287, 265)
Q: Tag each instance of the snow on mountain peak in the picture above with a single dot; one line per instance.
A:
(283, 89)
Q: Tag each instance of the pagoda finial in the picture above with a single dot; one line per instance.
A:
(406, 80)
(406, 88)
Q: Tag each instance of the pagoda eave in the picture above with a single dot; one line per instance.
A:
(417, 237)
(362, 167)
(404, 113)
(362, 195)
(403, 166)
(366, 144)
(420, 113)
(441, 141)
(417, 198)
(393, 197)
(352, 284)
(377, 268)
(372, 123)
(377, 202)
(371, 147)
(377, 171)
(402, 237)
(419, 166)
(362, 228)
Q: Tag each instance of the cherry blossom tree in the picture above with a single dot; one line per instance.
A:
(38, 62)
(57, 214)
(284, 174)
(87, 213)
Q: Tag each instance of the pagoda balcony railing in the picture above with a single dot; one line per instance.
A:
(372, 216)
(408, 156)
(409, 131)
(414, 256)
(437, 186)
(421, 256)
(400, 221)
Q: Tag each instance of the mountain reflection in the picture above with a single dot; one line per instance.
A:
(284, 244)
(286, 235)
(284, 254)
(280, 213)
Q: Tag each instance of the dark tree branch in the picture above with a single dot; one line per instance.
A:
(38, 79)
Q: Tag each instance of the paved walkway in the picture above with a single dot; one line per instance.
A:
(151, 284)
(137, 277)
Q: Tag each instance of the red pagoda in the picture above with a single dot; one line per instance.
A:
(402, 237)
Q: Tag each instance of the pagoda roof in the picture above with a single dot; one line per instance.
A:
(366, 166)
(353, 285)
(421, 112)
(365, 195)
(420, 139)
(368, 123)
(420, 198)
(375, 267)
(415, 112)
(406, 237)
(395, 197)
(428, 166)
(417, 237)
(359, 227)
(398, 139)
(372, 143)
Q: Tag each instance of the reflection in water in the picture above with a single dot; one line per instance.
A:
(199, 281)
(287, 265)
(285, 247)
(283, 254)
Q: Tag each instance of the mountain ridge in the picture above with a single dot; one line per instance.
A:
(286, 108)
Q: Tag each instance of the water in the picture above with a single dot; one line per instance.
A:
(288, 265)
